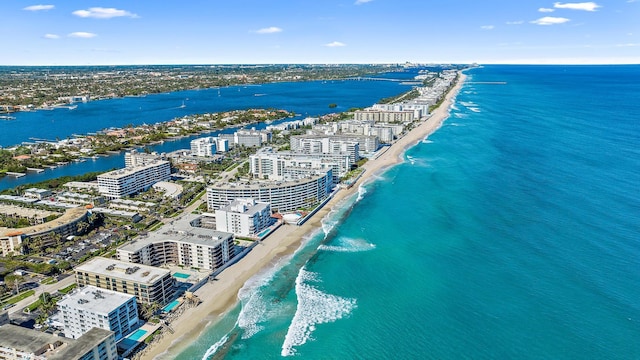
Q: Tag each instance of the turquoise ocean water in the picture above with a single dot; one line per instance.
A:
(510, 233)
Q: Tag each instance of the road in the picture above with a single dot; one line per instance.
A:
(52, 288)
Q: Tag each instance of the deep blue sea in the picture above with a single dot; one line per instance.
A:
(513, 232)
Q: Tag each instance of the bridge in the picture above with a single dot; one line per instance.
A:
(362, 78)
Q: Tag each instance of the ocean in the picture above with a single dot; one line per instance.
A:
(510, 233)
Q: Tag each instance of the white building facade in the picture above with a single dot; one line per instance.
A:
(282, 195)
(91, 307)
(127, 181)
(244, 217)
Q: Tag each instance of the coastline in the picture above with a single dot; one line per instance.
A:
(220, 296)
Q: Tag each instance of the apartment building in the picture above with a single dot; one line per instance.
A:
(147, 283)
(17, 342)
(90, 307)
(130, 180)
(244, 217)
(282, 195)
(181, 244)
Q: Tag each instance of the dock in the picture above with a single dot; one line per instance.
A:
(15, 174)
(35, 170)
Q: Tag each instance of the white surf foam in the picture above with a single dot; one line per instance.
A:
(427, 141)
(474, 109)
(212, 350)
(349, 245)
(314, 307)
(254, 307)
(361, 192)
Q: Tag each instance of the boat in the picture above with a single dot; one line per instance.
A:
(73, 107)
(183, 105)
(7, 117)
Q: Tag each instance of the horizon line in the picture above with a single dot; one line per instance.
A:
(345, 63)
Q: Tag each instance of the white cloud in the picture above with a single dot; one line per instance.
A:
(360, 2)
(515, 22)
(586, 6)
(546, 10)
(269, 30)
(39, 7)
(628, 45)
(550, 20)
(103, 13)
(335, 44)
(51, 36)
(82, 34)
(487, 27)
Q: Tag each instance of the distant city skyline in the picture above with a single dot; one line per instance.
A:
(119, 32)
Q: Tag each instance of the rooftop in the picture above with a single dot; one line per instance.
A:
(69, 216)
(95, 300)
(269, 184)
(123, 270)
(246, 206)
(116, 174)
(33, 341)
(179, 231)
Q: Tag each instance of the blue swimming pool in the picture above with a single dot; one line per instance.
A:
(264, 232)
(181, 275)
(170, 306)
(137, 335)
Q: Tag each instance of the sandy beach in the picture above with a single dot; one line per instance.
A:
(219, 296)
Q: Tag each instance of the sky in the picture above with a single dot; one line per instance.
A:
(124, 32)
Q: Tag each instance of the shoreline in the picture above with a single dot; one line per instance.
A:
(220, 296)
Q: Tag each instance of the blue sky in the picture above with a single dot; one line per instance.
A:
(80, 32)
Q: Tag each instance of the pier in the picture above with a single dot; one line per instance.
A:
(35, 170)
(42, 140)
(362, 78)
(15, 174)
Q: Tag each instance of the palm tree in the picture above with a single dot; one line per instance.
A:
(82, 227)
(15, 280)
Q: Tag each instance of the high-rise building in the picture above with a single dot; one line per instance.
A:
(127, 181)
(244, 217)
(90, 307)
(17, 342)
(180, 244)
(147, 283)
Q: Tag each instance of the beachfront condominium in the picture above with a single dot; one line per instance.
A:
(148, 284)
(325, 144)
(119, 183)
(387, 116)
(310, 187)
(244, 217)
(385, 132)
(90, 307)
(17, 342)
(271, 165)
(180, 244)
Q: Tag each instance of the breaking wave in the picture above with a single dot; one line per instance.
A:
(212, 350)
(314, 307)
(345, 244)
